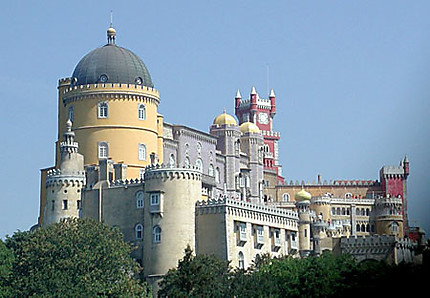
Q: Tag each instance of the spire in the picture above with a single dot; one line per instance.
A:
(111, 32)
(272, 93)
(406, 160)
(238, 95)
(253, 91)
(68, 145)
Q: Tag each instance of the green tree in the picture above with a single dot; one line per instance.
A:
(6, 261)
(74, 258)
(197, 276)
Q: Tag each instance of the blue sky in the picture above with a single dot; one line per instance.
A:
(351, 79)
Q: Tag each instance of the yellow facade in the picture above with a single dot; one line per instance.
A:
(122, 129)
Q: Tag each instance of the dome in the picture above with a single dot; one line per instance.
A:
(225, 119)
(303, 195)
(249, 127)
(111, 64)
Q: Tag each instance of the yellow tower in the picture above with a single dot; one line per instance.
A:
(112, 103)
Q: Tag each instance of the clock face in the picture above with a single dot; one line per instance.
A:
(263, 118)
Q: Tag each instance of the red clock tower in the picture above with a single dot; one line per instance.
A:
(261, 112)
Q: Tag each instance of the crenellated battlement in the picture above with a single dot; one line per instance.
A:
(167, 171)
(57, 177)
(112, 87)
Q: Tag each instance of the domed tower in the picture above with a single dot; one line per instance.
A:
(64, 184)
(170, 217)
(112, 102)
(302, 204)
(251, 143)
(228, 133)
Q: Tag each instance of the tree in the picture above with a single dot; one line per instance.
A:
(6, 261)
(76, 257)
(197, 276)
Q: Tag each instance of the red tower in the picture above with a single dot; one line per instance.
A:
(261, 112)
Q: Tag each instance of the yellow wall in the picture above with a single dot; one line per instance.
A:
(122, 129)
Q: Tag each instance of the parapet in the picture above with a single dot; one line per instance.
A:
(65, 178)
(167, 171)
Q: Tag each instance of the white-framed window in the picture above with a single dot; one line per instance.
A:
(71, 113)
(142, 151)
(242, 231)
(285, 197)
(155, 199)
(199, 164)
(65, 204)
(142, 112)
(102, 110)
(187, 161)
(139, 231)
(241, 260)
(394, 227)
(260, 234)
(211, 170)
(103, 150)
(156, 233)
(277, 237)
(140, 199)
(141, 173)
(217, 175)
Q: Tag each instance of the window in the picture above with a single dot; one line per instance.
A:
(241, 260)
(187, 161)
(156, 233)
(211, 170)
(71, 113)
(260, 235)
(102, 109)
(395, 227)
(172, 160)
(277, 237)
(53, 205)
(139, 231)
(141, 173)
(65, 204)
(139, 200)
(217, 174)
(242, 231)
(79, 204)
(348, 195)
(155, 199)
(142, 112)
(142, 152)
(103, 150)
(199, 165)
(286, 197)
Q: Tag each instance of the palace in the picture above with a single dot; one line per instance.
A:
(166, 186)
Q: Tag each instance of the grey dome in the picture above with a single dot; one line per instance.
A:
(111, 64)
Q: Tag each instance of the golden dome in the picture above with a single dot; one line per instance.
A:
(111, 30)
(303, 195)
(225, 119)
(249, 127)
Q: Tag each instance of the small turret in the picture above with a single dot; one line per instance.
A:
(272, 103)
(238, 99)
(406, 165)
(254, 96)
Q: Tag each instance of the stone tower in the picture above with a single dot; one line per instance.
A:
(303, 208)
(64, 184)
(169, 221)
(388, 216)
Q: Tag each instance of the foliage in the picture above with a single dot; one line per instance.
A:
(197, 276)
(76, 257)
(6, 261)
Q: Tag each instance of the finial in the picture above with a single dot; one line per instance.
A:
(272, 93)
(223, 111)
(111, 32)
(69, 125)
(253, 91)
(406, 160)
(238, 95)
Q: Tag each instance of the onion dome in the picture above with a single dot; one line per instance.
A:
(225, 119)
(249, 127)
(302, 195)
(111, 64)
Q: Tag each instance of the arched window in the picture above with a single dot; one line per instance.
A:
(71, 113)
(139, 199)
(338, 211)
(103, 150)
(357, 211)
(172, 160)
(142, 152)
(363, 228)
(343, 211)
(211, 170)
(367, 211)
(187, 161)
(357, 227)
(333, 211)
(102, 109)
(394, 227)
(142, 112)
(286, 197)
(241, 260)
(348, 195)
(139, 231)
(217, 175)
(199, 164)
(156, 233)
